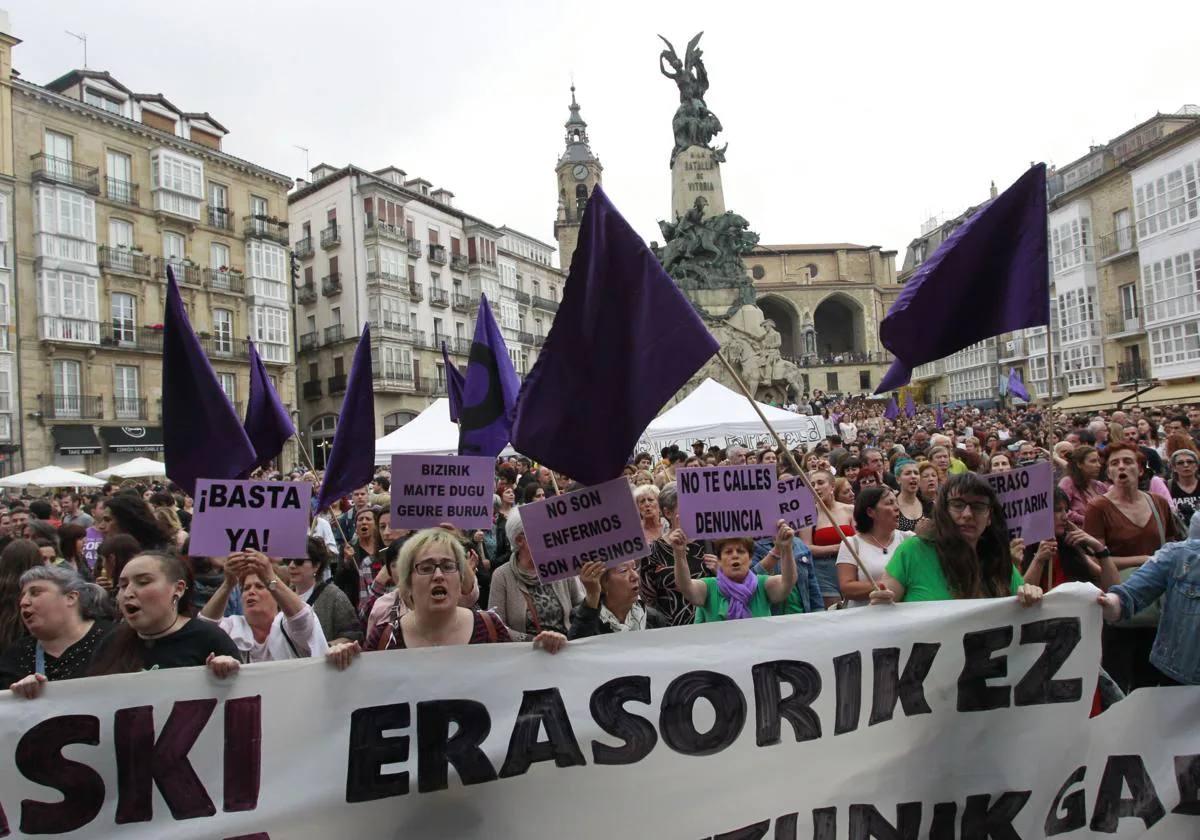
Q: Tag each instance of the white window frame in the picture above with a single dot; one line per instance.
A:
(67, 384)
(126, 394)
(123, 308)
(223, 330)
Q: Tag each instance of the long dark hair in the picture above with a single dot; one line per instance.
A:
(986, 571)
(1074, 564)
(18, 557)
(122, 548)
(135, 518)
(1075, 466)
(68, 543)
(122, 650)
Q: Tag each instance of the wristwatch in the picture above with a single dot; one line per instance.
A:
(274, 582)
(1102, 553)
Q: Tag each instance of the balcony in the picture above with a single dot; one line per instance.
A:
(545, 303)
(437, 254)
(932, 370)
(185, 273)
(462, 346)
(225, 347)
(1013, 349)
(303, 248)
(334, 334)
(121, 192)
(308, 341)
(307, 293)
(849, 358)
(331, 284)
(458, 262)
(123, 261)
(228, 281)
(220, 218)
(1123, 325)
(373, 229)
(264, 227)
(461, 303)
(439, 388)
(77, 330)
(311, 390)
(337, 384)
(1131, 372)
(122, 335)
(414, 292)
(71, 406)
(522, 297)
(1120, 243)
(386, 280)
(331, 237)
(393, 378)
(64, 171)
(525, 337)
(439, 297)
(539, 340)
(414, 247)
(129, 408)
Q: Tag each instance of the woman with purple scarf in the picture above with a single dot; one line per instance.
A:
(735, 592)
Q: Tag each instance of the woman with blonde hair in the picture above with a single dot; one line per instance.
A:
(645, 496)
(172, 527)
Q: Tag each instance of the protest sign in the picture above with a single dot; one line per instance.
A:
(796, 503)
(428, 490)
(267, 516)
(1027, 496)
(595, 523)
(91, 546)
(737, 501)
(971, 715)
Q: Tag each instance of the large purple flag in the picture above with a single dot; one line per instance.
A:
(990, 276)
(892, 411)
(454, 385)
(351, 461)
(910, 408)
(202, 435)
(268, 423)
(1016, 387)
(624, 342)
(489, 390)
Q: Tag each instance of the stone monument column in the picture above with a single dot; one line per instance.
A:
(696, 173)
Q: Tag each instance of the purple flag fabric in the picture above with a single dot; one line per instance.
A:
(937, 416)
(892, 411)
(1016, 387)
(910, 409)
(489, 390)
(268, 423)
(202, 434)
(351, 461)
(454, 385)
(994, 266)
(624, 341)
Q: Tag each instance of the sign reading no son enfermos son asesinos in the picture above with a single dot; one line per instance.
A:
(596, 523)
(1027, 496)
(266, 516)
(428, 490)
(736, 501)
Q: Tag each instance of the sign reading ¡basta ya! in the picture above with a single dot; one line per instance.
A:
(267, 516)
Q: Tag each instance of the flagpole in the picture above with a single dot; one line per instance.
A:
(1049, 421)
(795, 466)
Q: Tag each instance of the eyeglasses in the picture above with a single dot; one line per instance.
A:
(426, 567)
(957, 506)
(295, 561)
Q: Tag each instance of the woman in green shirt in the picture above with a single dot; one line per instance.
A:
(735, 593)
(966, 554)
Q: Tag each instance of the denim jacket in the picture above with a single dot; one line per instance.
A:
(807, 592)
(1174, 573)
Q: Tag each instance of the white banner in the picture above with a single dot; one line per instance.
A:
(959, 719)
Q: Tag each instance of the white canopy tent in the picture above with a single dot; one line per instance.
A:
(135, 468)
(429, 433)
(723, 417)
(50, 477)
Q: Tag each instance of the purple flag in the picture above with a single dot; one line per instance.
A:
(937, 416)
(202, 435)
(268, 424)
(624, 341)
(489, 390)
(454, 385)
(994, 266)
(892, 411)
(1016, 387)
(910, 410)
(351, 461)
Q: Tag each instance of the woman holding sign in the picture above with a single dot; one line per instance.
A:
(611, 604)
(524, 603)
(735, 592)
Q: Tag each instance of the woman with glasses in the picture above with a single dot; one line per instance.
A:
(336, 614)
(1185, 487)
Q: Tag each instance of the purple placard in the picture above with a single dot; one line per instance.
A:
(428, 490)
(596, 523)
(91, 546)
(727, 501)
(1027, 496)
(268, 516)
(796, 503)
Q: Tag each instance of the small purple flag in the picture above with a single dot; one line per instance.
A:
(202, 435)
(351, 461)
(624, 342)
(937, 416)
(268, 424)
(1016, 387)
(454, 385)
(994, 266)
(892, 411)
(910, 410)
(489, 390)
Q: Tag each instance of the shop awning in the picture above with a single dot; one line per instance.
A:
(75, 440)
(1107, 398)
(132, 438)
(1171, 393)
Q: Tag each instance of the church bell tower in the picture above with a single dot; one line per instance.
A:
(578, 172)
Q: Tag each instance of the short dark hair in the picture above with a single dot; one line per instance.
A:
(161, 499)
(385, 483)
(40, 508)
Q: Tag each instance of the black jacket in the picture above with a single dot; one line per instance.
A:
(585, 622)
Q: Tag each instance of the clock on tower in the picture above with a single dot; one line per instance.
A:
(578, 173)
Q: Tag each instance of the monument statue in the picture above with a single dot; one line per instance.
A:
(694, 124)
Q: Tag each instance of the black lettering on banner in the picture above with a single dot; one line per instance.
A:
(750, 832)
(39, 758)
(243, 753)
(370, 750)
(543, 707)
(982, 819)
(144, 762)
(1111, 807)
(908, 687)
(1187, 777)
(436, 750)
(608, 711)
(847, 672)
(770, 708)
(866, 822)
(825, 824)
(675, 719)
(944, 816)
(1038, 687)
(1068, 812)
(974, 694)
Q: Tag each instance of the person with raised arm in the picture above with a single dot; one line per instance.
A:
(735, 592)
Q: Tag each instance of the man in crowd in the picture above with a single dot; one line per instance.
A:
(73, 513)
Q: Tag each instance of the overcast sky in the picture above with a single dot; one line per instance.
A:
(846, 122)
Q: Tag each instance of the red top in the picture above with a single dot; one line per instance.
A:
(828, 535)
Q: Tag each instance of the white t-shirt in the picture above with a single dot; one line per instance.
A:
(873, 557)
(303, 629)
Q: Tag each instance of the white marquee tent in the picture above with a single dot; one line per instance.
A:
(429, 433)
(720, 416)
(50, 477)
(136, 468)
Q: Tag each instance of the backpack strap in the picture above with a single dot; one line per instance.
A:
(289, 641)
(489, 622)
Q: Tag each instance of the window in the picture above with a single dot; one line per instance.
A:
(124, 318)
(1077, 314)
(321, 433)
(4, 233)
(1071, 243)
(67, 397)
(178, 183)
(390, 262)
(67, 302)
(393, 421)
(1169, 287)
(60, 149)
(125, 395)
(459, 328)
(1175, 344)
(218, 256)
(314, 371)
(537, 327)
(433, 235)
(223, 330)
(1123, 230)
(339, 365)
(266, 264)
(831, 382)
(441, 376)
(218, 196)
(1169, 201)
(437, 331)
(396, 363)
(1129, 307)
(258, 212)
(271, 333)
(119, 180)
(229, 386)
(65, 224)
(174, 247)
(864, 380)
(97, 99)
